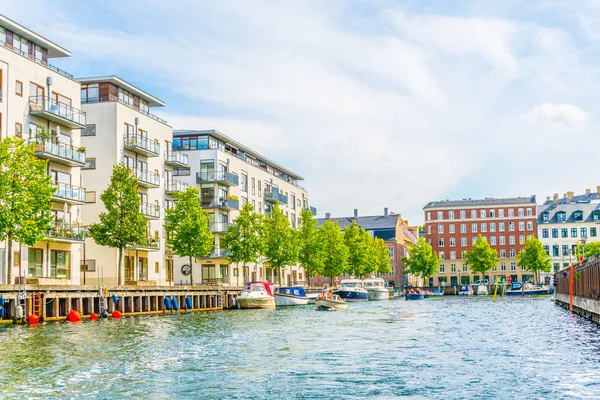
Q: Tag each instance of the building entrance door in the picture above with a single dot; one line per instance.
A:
(453, 281)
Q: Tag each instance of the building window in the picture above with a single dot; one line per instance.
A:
(561, 216)
(18, 130)
(482, 213)
(511, 212)
(511, 226)
(260, 207)
(441, 242)
(545, 216)
(483, 227)
(492, 214)
(452, 267)
(474, 240)
(521, 239)
(583, 232)
(89, 130)
(473, 213)
(453, 255)
(428, 215)
(493, 240)
(90, 197)
(429, 229)
(451, 228)
(573, 232)
(465, 268)
(547, 249)
(529, 212)
(492, 227)
(502, 253)
(592, 232)
(513, 253)
(502, 240)
(463, 228)
(440, 228)
(473, 228)
(521, 212)
(19, 88)
(440, 215)
(244, 182)
(501, 226)
(545, 233)
(90, 163)
(463, 241)
(578, 216)
(501, 213)
(254, 205)
(442, 269)
(452, 242)
(513, 266)
(463, 214)
(391, 252)
(450, 214)
(442, 255)
(554, 232)
(502, 266)
(35, 262)
(564, 232)
(521, 225)
(565, 249)
(253, 182)
(511, 239)
(596, 215)
(529, 226)
(555, 250)
(60, 264)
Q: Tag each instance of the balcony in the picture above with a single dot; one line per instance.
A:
(219, 227)
(55, 111)
(176, 159)
(69, 194)
(221, 177)
(66, 233)
(217, 253)
(146, 178)
(224, 203)
(175, 186)
(141, 145)
(275, 197)
(148, 244)
(58, 152)
(152, 211)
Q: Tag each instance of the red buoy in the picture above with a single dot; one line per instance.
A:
(74, 316)
(33, 319)
(94, 317)
(117, 314)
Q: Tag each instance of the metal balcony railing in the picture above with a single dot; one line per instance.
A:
(45, 105)
(219, 227)
(222, 177)
(138, 142)
(146, 177)
(275, 195)
(66, 232)
(37, 60)
(150, 210)
(221, 202)
(69, 193)
(59, 150)
(174, 186)
(176, 158)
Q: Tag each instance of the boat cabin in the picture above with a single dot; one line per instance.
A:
(292, 291)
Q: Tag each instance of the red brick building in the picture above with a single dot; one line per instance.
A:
(452, 227)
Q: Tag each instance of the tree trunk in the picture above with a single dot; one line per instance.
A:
(279, 276)
(120, 269)
(9, 266)
(191, 272)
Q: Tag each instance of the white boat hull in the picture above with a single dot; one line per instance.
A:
(287, 300)
(249, 303)
(375, 294)
(330, 305)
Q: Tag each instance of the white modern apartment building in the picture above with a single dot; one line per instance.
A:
(121, 129)
(229, 175)
(40, 103)
(565, 222)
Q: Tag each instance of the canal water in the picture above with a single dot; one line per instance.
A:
(437, 348)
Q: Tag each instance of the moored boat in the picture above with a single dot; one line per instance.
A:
(437, 292)
(482, 290)
(410, 295)
(257, 295)
(377, 289)
(352, 290)
(332, 304)
(291, 296)
(465, 290)
(527, 289)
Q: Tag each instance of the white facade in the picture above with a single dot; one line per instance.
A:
(564, 223)
(120, 129)
(228, 175)
(35, 96)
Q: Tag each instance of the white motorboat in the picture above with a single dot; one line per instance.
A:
(352, 290)
(377, 289)
(466, 290)
(257, 295)
(291, 296)
(332, 304)
(482, 290)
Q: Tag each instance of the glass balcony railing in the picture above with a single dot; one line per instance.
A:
(174, 186)
(150, 243)
(59, 152)
(276, 196)
(176, 158)
(146, 178)
(221, 177)
(35, 59)
(141, 144)
(66, 232)
(227, 203)
(150, 210)
(219, 227)
(61, 113)
(69, 193)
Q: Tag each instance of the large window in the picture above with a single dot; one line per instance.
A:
(391, 252)
(554, 232)
(35, 263)
(60, 264)
(573, 232)
(90, 93)
(564, 232)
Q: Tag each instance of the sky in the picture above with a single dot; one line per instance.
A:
(375, 103)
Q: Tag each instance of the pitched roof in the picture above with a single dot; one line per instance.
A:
(569, 209)
(481, 202)
(368, 223)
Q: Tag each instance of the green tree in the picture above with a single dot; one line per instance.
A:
(187, 225)
(336, 252)
(243, 239)
(533, 258)
(482, 257)
(311, 254)
(586, 251)
(360, 250)
(122, 224)
(280, 241)
(422, 260)
(26, 192)
(381, 256)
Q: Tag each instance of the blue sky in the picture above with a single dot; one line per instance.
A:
(376, 103)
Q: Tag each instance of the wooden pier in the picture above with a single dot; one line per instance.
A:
(54, 303)
(579, 289)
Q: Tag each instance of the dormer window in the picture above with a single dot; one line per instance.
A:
(545, 216)
(596, 215)
(578, 216)
(561, 216)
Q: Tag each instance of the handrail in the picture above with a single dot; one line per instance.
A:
(66, 231)
(175, 185)
(217, 176)
(55, 107)
(146, 176)
(117, 100)
(151, 145)
(212, 202)
(176, 156)
(67, 191)
(36, 60)
(150, 209)
(60, 149)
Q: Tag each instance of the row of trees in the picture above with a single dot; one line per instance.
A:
(482, 258)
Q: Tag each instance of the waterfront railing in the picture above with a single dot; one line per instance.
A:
(586, 279)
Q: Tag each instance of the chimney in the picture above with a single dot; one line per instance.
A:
(588, 191)
(569, 196)
(356, 213)
(547, 198)
(598, 189)
(327, 215)
(555, 199)
(385, 212)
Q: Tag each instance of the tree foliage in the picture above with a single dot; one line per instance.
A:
(244, 239)
(336, 253)
(26, 192)
(482, 258)
(311, 254)
(533, 258)
(187, 225)
(360, 251)
(381, 256)
(122, 224)
(586, 251)
(422, 260)
(280, 241)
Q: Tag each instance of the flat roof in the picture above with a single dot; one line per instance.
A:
(245, 149)
(115, 80)
(54, 50)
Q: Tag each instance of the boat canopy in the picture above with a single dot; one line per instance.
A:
(516, 286)
(351, 283)
(374, 282)
(250, 286)
(292, 291)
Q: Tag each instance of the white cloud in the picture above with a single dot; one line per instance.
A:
(568, 114)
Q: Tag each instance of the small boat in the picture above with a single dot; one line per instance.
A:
(377, 289)
(437, 292)
(482, 290)
(466, 290)
(313, 295)
(414, 296)
(291, 296)
(352, 290)
(527, 289)
(257, 295)
(332, 304)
